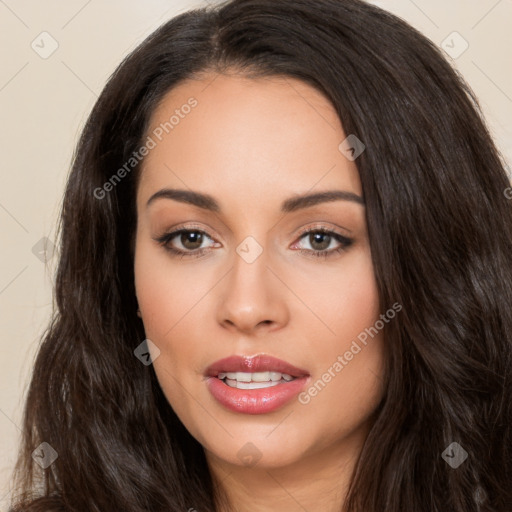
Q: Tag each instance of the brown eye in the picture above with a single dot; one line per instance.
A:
(191, 240)
(323, 243)
(186, 242)
(319, 241)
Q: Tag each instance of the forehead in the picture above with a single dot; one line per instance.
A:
(272, 136)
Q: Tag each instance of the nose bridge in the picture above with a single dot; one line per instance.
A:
(251, 295)
(249, 278)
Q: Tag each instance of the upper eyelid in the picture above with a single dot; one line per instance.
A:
(319, 226)
(325, 225)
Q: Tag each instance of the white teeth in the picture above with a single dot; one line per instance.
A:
(260, 376)
(255, 376)
(254, 380)
(250, 385)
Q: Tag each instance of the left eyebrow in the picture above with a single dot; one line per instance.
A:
(207, 202)
(308, 200)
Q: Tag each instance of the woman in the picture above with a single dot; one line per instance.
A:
(285, 279)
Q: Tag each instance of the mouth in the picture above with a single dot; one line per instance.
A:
(254, 385)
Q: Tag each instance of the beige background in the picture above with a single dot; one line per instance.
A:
(45, 101)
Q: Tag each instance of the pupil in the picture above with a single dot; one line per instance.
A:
(195, 238)
(316, 238)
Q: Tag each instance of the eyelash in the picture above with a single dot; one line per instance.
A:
(167, 237)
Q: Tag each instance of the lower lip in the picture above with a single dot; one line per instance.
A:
(255, 401)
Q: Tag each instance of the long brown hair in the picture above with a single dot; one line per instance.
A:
(440, 229)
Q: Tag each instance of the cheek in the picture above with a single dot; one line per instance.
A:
(164, 299)
(349, 355)
(166, 291)
(357, 304)
(343, 297)
(172, 298)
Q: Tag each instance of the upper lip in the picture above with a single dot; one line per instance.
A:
(257, 363)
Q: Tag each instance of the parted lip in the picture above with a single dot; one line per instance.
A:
(257, 363)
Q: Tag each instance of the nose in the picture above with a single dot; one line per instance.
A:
(252, 299)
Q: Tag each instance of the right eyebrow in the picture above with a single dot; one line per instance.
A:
(204, 201)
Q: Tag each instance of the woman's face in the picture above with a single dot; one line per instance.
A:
(251, 281)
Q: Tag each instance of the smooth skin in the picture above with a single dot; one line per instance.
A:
(251, 144)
